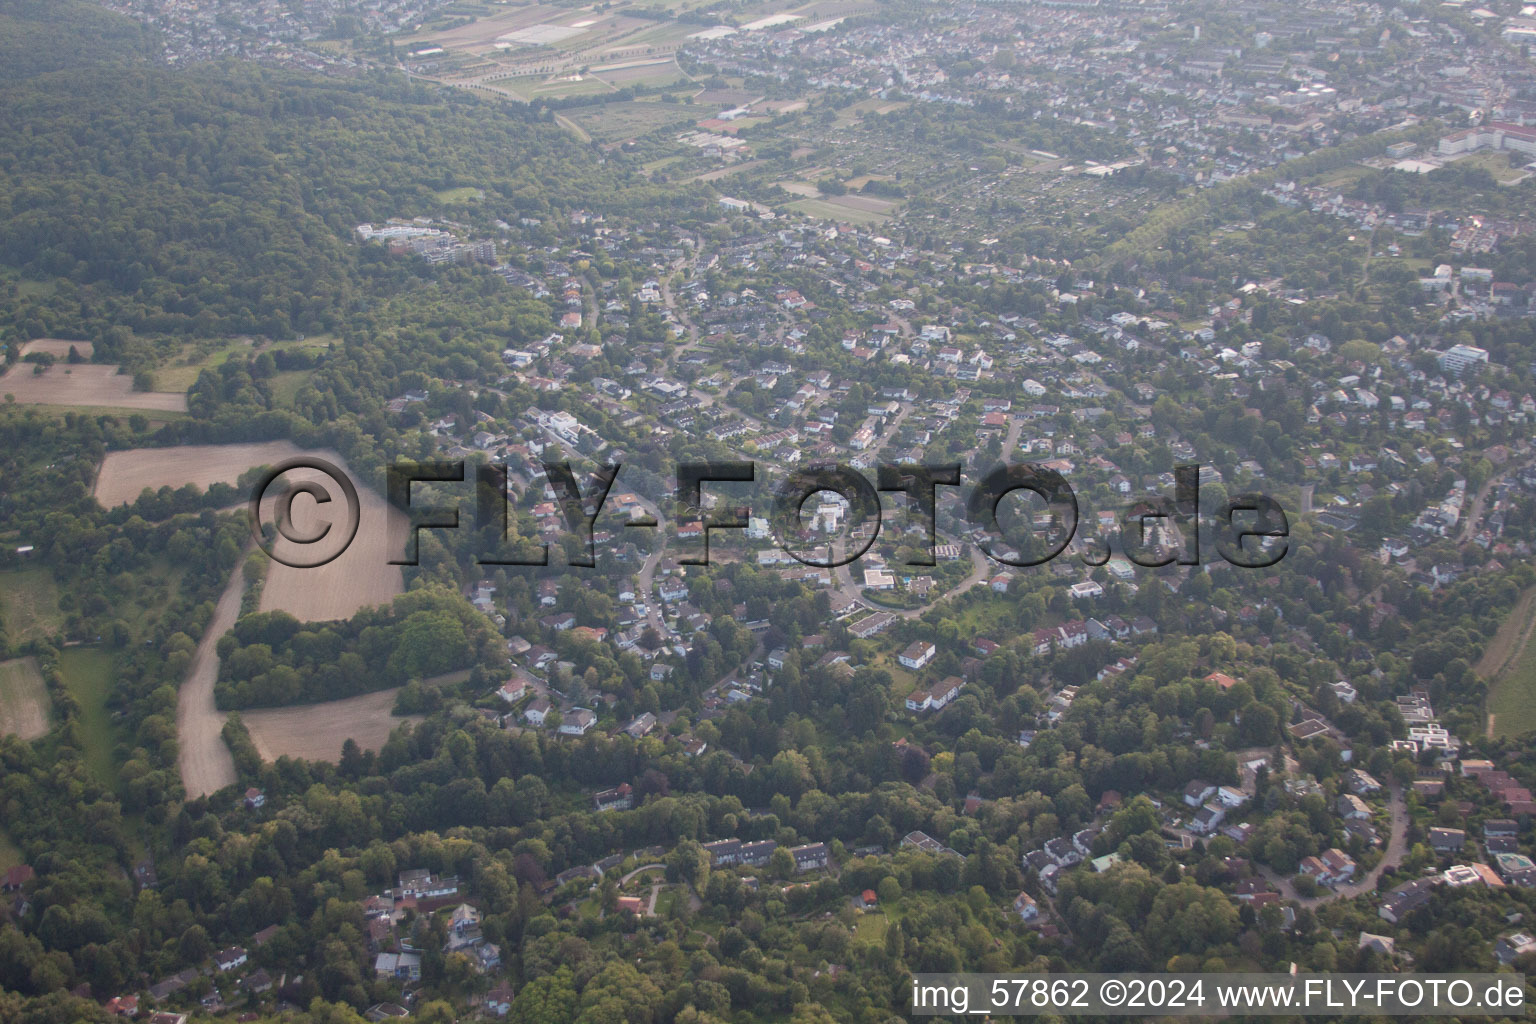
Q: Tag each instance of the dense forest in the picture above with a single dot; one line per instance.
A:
(271, 659)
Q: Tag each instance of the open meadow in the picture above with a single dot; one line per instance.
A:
(88, 676)
(23, 699)
(29, 604)
(1509, 665)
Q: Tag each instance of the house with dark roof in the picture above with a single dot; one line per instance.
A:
(1405, 899)
(810, 857)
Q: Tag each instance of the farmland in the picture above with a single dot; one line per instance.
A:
(124, 474)
(362, 574)
(85, 384)
(23, 699)
(316, 732)
(629, 120)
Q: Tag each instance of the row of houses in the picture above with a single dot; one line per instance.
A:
(1079, 631)
(735, 852)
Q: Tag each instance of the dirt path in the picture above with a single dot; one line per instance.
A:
(206, 764)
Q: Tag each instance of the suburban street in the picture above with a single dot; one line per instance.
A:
(1392, 854)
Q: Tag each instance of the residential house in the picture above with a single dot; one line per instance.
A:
(1025, 906)
(229, 959)
(1447, 840)
(1198, 792)
(619, 798)
(918, 654)
(404, 966)
(577, 722)
(1509, 947)
(810, 857)
(1332, 867)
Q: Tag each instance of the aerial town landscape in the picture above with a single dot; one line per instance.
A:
(565, 734)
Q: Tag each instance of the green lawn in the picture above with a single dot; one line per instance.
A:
(587, 86)
(29, 603)
(460, 195)
(181, 372)
(286, 384)
(871, 927)
(88, 673)
(903, 681)
(1345, 175)
(121, 412)
(824, 210)
(1495, 163)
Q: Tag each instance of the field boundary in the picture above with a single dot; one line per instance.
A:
(1505, 652)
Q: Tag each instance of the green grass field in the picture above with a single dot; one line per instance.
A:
(1344, 175)
(29, 604)
(1509, 665)
(181, 372)
(1513, 697)
(1495, 163)
(87, 673)
(561, 88)
(903, 681)
(827, 210)
(286, 385)
(626, 120)
(871, 927)
(460, 195)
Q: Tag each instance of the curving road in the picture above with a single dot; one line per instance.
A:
(1391, 854)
